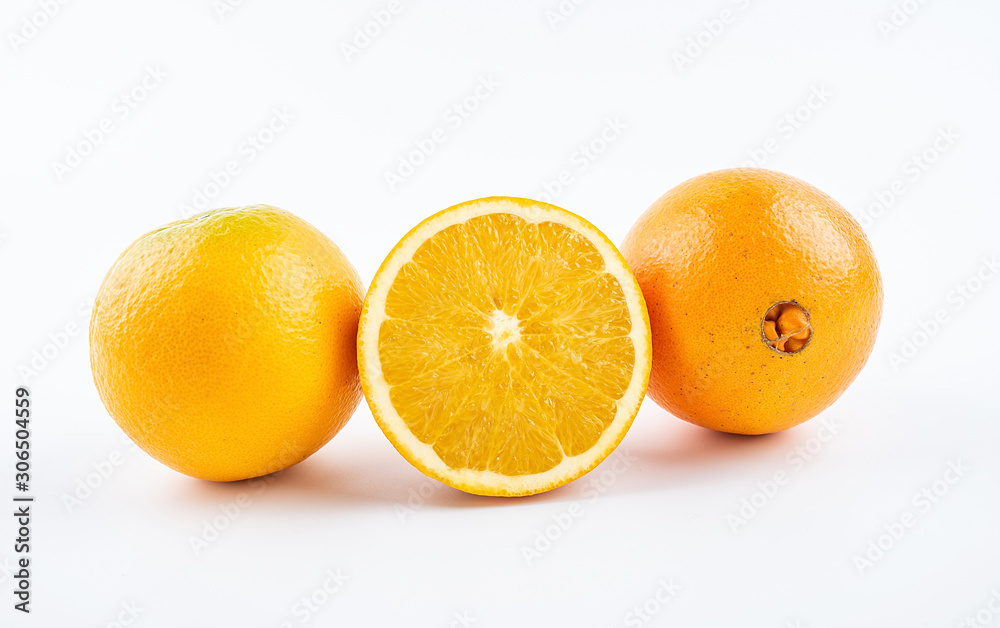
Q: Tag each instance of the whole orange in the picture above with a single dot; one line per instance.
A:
(225, 345)
(764, 299)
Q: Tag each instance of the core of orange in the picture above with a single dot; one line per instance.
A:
(764, 299)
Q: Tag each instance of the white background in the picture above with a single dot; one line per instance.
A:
(417, 553)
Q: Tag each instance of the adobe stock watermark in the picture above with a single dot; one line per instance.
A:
(365, 34)
(956, 300)
(598, 483)
(127, 101)
(985, 615)
(33, 24)
(462, 619)
(7, 569)
(711, 31)
(223, 8)
(249, 149)
(295, 285)
(214, 527)
(455, 116)
(309, 605)
(416, 499)
(914, 168)
(766, 490)
(562, 12)
(923, 502)
(646, 611)
(56, 342)
(788, 125)
(899, 16)
(101, 472)
(126, 615)
(582, 158)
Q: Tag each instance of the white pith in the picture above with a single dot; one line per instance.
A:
(504, 328)
(389, 420)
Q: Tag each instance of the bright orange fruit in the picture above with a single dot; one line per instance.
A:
(225, 345)
(504, 347)
(764, 299)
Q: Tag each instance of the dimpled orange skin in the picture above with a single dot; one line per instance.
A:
(712, 256)
(225, 345)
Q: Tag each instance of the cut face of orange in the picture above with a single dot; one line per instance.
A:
(504, 346)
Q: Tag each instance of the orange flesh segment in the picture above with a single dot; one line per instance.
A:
(506, 344)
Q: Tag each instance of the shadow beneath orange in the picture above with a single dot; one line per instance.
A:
(322, 482)
(697, 447)
(660, 452)
(668, 452)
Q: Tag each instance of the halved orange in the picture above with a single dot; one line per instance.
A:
(504, 346)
